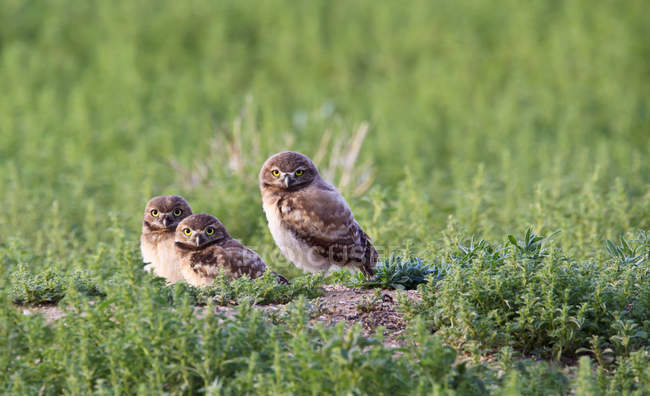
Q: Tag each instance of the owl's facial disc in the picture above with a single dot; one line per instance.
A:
(199, 239)
(290, 178)
(163, 213)
(161, 220)
(199, 231)
(287, 171)
(167, 221)
(194, 238)
(296, 177)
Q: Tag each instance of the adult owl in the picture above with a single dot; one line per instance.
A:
(204, 248)
(161, 216)
(309, 219)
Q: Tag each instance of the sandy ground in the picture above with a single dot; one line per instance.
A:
(50, 312)
(371, 308)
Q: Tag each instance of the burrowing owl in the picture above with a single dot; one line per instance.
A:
(310, 221)
(161, 216)
(204, 247)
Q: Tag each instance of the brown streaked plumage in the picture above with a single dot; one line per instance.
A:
(309, 219)
(204, 248)
(161, 216)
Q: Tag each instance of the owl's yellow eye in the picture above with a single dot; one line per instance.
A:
(299, 172)
(177, 212)
(275, 172)
(187, 232)
(155, 213)
(209, 231)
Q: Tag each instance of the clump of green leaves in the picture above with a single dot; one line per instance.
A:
(400, 273)
(49, 286)
(532, 245)
(263, 290)
(538, 300)
(624, 254)
(539, 378)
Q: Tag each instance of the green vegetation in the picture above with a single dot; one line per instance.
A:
(540, 301)
(264, 290)
(48, 287)
(395, 272)
(461, 124)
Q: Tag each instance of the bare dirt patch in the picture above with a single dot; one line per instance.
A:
(51, 313)
(371, 308)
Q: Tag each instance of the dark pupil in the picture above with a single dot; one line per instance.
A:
(154, 212)
(177, 212)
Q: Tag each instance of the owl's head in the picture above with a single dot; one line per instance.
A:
(288, 171)
(165, 212)
(198, 231)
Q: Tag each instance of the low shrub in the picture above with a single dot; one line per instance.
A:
(528, 295)
(263, 290)
(400, 273)
(50, 286)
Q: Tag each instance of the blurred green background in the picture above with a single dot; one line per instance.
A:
(483, 117)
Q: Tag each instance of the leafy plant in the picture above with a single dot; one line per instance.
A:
(531, 246)
(625, 254)
(400, 273)
(604, 357)
(538, 301)
(49, 287)
(263, 290)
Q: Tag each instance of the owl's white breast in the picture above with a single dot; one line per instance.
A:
(148, 249)
(160, 252)
(292, 248)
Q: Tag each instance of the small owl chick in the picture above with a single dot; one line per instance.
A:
(204, 247)
(309, 219)
(161, 216)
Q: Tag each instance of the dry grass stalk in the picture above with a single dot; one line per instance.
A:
(342, 168)
(237, 147)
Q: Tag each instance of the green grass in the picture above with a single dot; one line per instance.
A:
(484, 120)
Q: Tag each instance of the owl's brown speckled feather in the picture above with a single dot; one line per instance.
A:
(309, 219)
(204, 248)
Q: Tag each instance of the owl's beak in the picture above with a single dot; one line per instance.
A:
(287, 180)
(166, 221)
(199, 240)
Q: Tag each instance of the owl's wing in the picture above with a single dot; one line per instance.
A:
(242, 260)
(208, 264)
(321, 218)
(245, 261)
